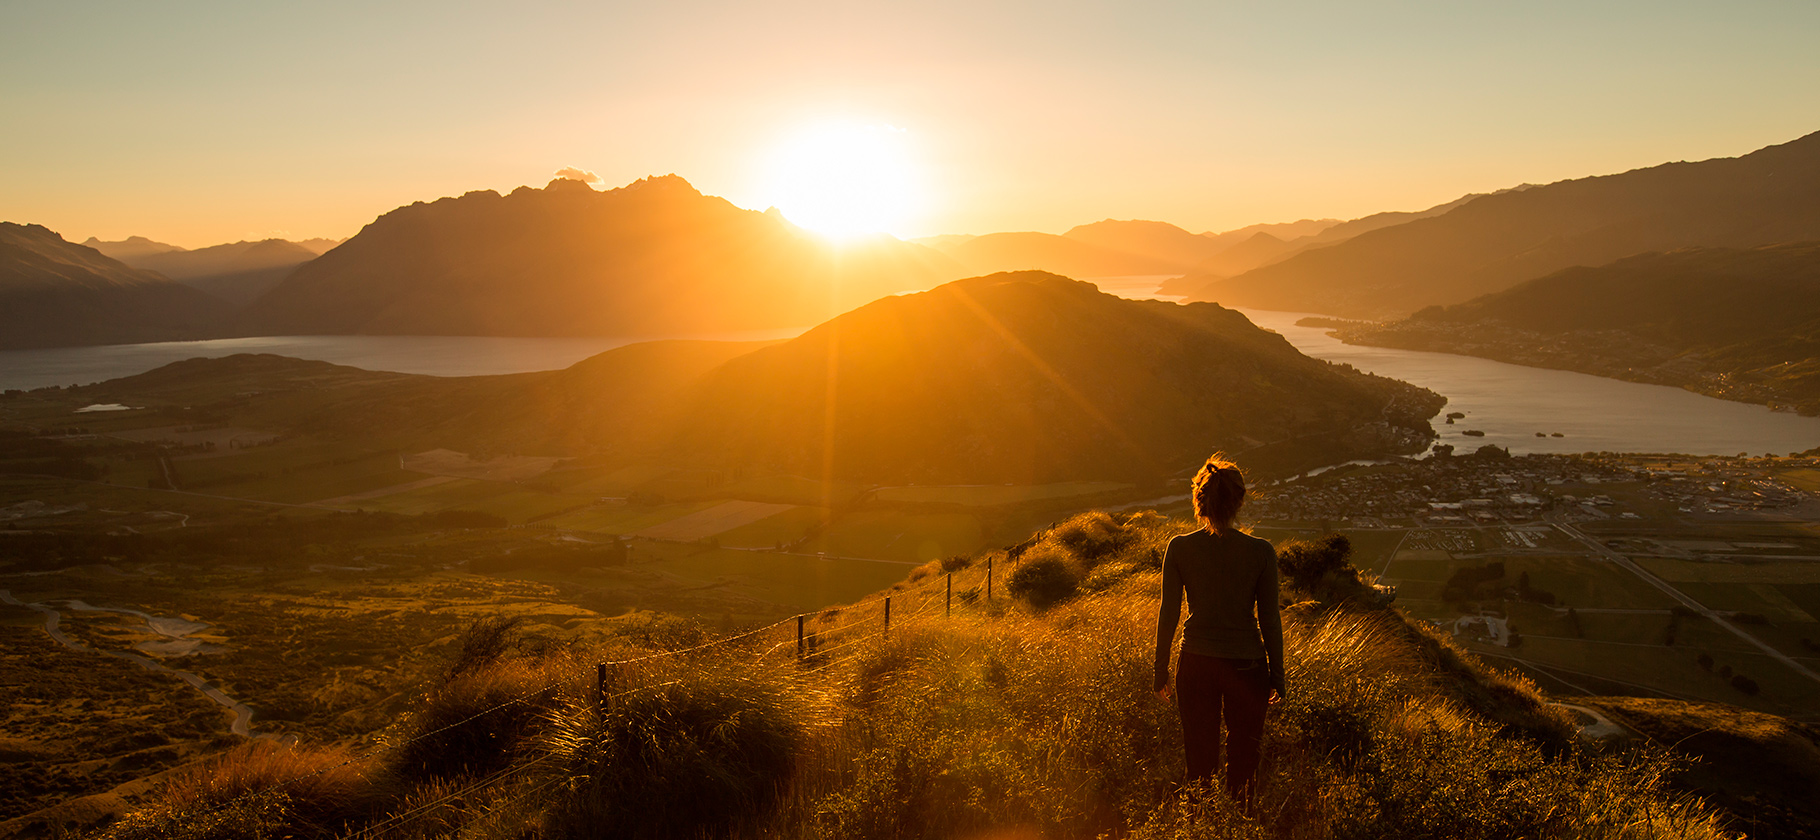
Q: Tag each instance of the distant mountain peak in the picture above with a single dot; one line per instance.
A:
(131, 245)
(653, 256)
(670, 182)
(567, 185)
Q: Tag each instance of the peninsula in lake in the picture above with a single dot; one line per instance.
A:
(1736, 323)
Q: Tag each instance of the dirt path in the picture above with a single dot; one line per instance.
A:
(243, 714)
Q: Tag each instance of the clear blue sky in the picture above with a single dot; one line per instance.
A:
(198, 123)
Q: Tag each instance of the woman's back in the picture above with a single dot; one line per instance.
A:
(1226, 578)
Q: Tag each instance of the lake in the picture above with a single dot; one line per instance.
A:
(436, 355)
(1509, 403)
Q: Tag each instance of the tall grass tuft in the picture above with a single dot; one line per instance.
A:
(479, 722)
(261, 789)
(699, 752)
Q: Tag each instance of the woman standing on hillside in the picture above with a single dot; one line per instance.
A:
(1232, 644)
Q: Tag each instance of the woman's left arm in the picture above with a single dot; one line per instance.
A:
(1270, 622)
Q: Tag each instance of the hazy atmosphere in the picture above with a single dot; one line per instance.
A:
(197, 123)
(944, 421)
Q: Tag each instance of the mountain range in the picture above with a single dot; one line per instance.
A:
(652, 258)
(1741, 323)
(54, 293)
(1496, 241)
(236, 272)
(1115, 247)
(658, 258)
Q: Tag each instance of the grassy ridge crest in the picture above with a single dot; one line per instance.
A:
(1028, 714)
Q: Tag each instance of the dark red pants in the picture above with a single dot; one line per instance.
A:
(1206, 686)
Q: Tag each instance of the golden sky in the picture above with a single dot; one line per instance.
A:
(199, 123)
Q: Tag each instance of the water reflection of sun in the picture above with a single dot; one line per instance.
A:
(843, 179)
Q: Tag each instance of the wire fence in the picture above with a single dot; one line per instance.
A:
(814, 649)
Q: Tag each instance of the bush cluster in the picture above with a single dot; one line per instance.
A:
(1088, 552)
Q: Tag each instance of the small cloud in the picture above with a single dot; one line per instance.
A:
(582, 175)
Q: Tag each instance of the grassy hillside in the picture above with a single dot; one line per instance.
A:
(1027, 713)
(652, 258)
(1028, 377)
(1736, 323)
(57, 294)
(1496, 241)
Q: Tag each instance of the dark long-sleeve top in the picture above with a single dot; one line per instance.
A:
(1231, 583)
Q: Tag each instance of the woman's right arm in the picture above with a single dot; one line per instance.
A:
(1168, 614)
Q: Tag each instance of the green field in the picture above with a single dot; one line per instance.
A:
(1575, 581)
(293, 473)
(607, 482)
(1805, 478)
(517, 504)
(1679, 571)
(1760, 598)
(1675, 670)
(995, 495)
(622, 519)
(792, 490)
(782, 529)
(896, 535)
(804, 583)
(139, 472)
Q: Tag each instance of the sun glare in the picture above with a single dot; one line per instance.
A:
(844, 180)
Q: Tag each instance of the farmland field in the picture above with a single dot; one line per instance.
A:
(713, 521)
(994, 495)
(896, 535)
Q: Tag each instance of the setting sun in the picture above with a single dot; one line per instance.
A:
(844, 179)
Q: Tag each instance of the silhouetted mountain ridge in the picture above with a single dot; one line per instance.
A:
(653, 257)
(1495, 241)
(54, 293)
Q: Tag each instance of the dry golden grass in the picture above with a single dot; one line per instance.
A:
(263, 786)
(1020, 719)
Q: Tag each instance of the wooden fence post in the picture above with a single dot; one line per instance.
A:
(988, 579)
(799, 637)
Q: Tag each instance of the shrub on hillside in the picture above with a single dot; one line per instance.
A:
(1090, 537)
(478, 722)
(1313, 568)
(1094, 551)
(702, 752)
(483, 643)
(1043, 579)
